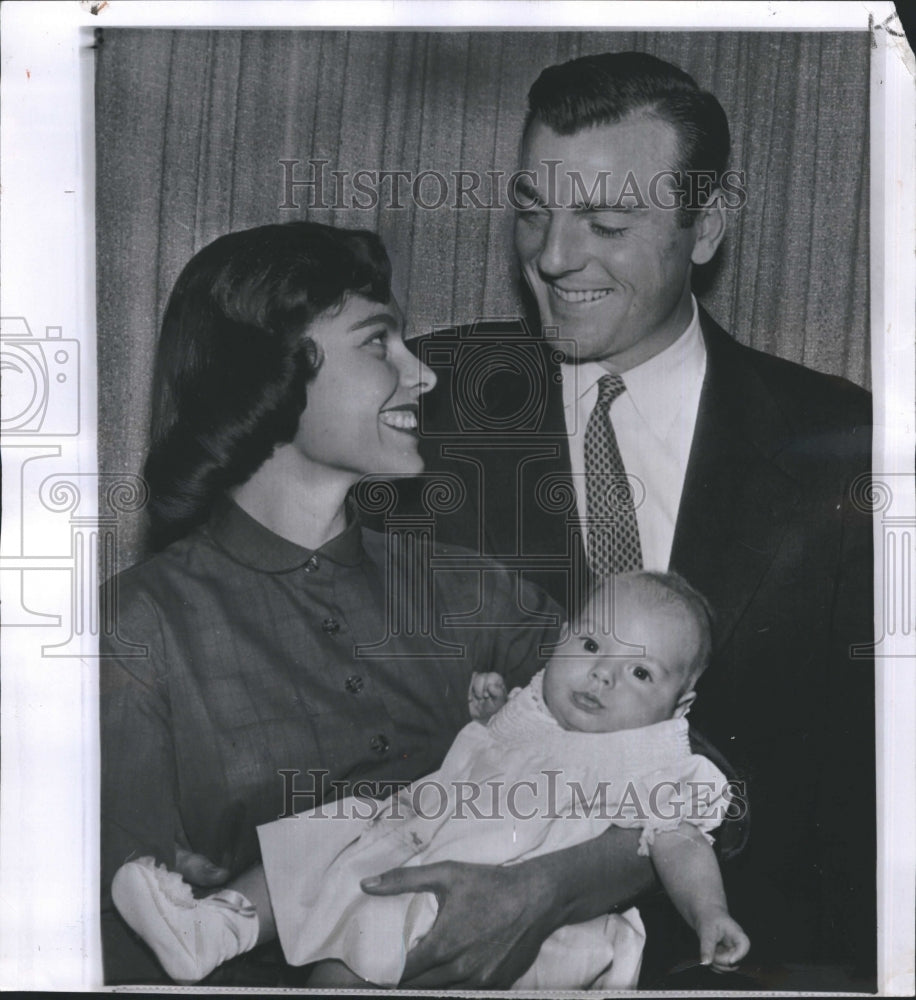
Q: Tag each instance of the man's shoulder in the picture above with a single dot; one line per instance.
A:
(804, 395)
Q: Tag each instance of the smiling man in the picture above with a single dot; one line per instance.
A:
(608, 258)
(628, 431)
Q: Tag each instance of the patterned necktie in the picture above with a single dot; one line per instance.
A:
(613, 534)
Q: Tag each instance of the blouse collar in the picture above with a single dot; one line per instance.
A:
(249, 542)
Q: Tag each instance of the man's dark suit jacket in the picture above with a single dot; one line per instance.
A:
(771, 530)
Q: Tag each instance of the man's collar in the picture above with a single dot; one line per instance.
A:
(247, 541)
(656, 386)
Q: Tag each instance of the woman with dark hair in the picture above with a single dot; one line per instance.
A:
(233, 365)
(255, 669)
(274, 654)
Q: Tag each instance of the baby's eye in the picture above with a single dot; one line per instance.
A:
(590, 645)
(641, 674)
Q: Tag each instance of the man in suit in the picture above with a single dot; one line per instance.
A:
(740, 471)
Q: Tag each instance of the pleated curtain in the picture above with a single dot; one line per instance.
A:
(192, 127)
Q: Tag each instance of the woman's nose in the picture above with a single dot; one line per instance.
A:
(413, 372)
(561, 251)
(426, 377)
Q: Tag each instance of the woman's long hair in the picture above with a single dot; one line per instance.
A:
(234, 360)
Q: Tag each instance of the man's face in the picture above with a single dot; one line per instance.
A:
(614, 278)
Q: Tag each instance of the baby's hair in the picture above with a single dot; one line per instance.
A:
(671, 588)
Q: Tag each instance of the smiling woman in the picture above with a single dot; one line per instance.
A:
(361, 359)
(362, 345)
(238, 655)
(234, 364)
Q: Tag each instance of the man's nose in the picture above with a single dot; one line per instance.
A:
(561, 251)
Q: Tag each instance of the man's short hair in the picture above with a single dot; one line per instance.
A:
(604, 89)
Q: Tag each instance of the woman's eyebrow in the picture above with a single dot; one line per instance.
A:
(387, 318)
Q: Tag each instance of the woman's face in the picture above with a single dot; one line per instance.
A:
(361, 414)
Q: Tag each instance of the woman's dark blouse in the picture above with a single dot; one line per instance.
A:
(239, 655)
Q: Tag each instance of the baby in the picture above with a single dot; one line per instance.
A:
(599, 737)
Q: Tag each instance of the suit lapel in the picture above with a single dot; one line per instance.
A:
(735, 503)
(736, 499)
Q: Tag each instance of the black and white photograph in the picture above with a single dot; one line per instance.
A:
(400, 381)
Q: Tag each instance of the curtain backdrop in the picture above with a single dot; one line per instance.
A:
(191, 127)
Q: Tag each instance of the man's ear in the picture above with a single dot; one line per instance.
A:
(710, 228)
(683, 704)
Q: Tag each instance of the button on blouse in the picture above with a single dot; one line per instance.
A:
(248, 646)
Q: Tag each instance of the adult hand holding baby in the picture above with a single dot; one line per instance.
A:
(469, 945)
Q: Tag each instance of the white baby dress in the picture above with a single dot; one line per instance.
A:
(516, 788)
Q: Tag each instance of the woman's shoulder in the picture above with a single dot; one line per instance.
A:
(167, 572)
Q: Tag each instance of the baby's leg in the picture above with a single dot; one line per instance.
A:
(190, 936)
(253, 886)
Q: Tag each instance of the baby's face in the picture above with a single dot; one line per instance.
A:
(633, 674)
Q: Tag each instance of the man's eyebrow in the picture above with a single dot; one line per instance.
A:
(386, 318)
(584, 207)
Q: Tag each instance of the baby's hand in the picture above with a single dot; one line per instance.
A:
(486, 696)
(722, 942)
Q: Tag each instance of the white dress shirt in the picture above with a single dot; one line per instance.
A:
(654, 422)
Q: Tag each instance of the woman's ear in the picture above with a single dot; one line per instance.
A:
(683, 704)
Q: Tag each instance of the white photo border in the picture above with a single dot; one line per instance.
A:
(49, 931)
